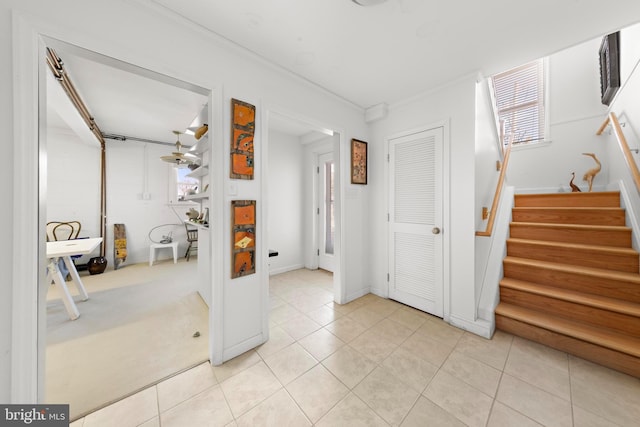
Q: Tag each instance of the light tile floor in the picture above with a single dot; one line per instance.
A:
(376, 362)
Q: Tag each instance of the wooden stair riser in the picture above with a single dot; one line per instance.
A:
(585, 216)
(604, 356)
(606, 236)
(590, 315)
(601, 285)
(584, 256)
(571, 278)
(601, 337)
(602, 199)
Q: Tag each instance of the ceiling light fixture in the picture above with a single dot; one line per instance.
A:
(177, 157)
(368, 2)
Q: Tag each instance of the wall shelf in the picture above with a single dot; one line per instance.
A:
(201, 145)
(201, 171)
(197, 225)
(197, 197)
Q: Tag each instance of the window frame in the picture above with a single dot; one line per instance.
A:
(173, 193)
(543, 107)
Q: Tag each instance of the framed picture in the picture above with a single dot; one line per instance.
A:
(358, 162)
(609, 67)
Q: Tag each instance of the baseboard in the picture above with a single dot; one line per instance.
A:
(489, 294)
(487, 314)
(285, 269)
(481, 327)
(243, 347)
(631, 216)
(357, 294)
(382, 293)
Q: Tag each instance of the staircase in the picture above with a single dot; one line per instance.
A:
(571, 278)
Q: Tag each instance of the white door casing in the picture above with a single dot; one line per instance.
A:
(415, 220)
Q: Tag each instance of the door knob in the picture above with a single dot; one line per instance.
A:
(435, 230)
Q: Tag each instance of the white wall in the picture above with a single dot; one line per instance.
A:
(575, 113)
(151, 38)
(630, 51)
(488, 152)
(454, 104)
(286, 180)
(134, 169)
(73, 182)
(626, 105)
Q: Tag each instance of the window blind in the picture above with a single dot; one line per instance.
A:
(519, 97)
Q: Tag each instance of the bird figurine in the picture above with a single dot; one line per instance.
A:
(591, 173)
(193, 214)
(574, 188)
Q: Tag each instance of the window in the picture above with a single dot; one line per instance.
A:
(182, 184)
(329, 208)
(520, 104)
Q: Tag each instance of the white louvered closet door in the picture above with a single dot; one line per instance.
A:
(415, 220)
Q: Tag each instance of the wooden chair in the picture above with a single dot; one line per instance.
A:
(192, 238)
(63, 230)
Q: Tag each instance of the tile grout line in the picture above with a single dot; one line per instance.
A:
(369, 306)
(503, 373)
(378, 364)
(573, 416)
(158, 405)
(495, 398)
(349, 390)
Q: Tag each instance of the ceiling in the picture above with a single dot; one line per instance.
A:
(392, 51)
(125, 99)
(365, 55)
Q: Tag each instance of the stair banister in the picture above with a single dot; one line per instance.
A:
(496, 197)
(624, 146)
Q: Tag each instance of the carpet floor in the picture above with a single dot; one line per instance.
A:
(136, 329)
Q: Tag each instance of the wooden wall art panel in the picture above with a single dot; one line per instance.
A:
(243, 237)
(243, 123)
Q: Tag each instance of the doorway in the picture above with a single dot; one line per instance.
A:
(415, 220)
(294, 144)
(140, 322)
(326, 211)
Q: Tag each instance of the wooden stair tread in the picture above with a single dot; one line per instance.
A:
(598, 198)
(571, 277)
(576, 246)
(622, 362)
(569, 215)
(568, 208)
(607, 209)
(602, 337)
(576, 269)
(596, 301)
(604, 235)
(576, 227)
